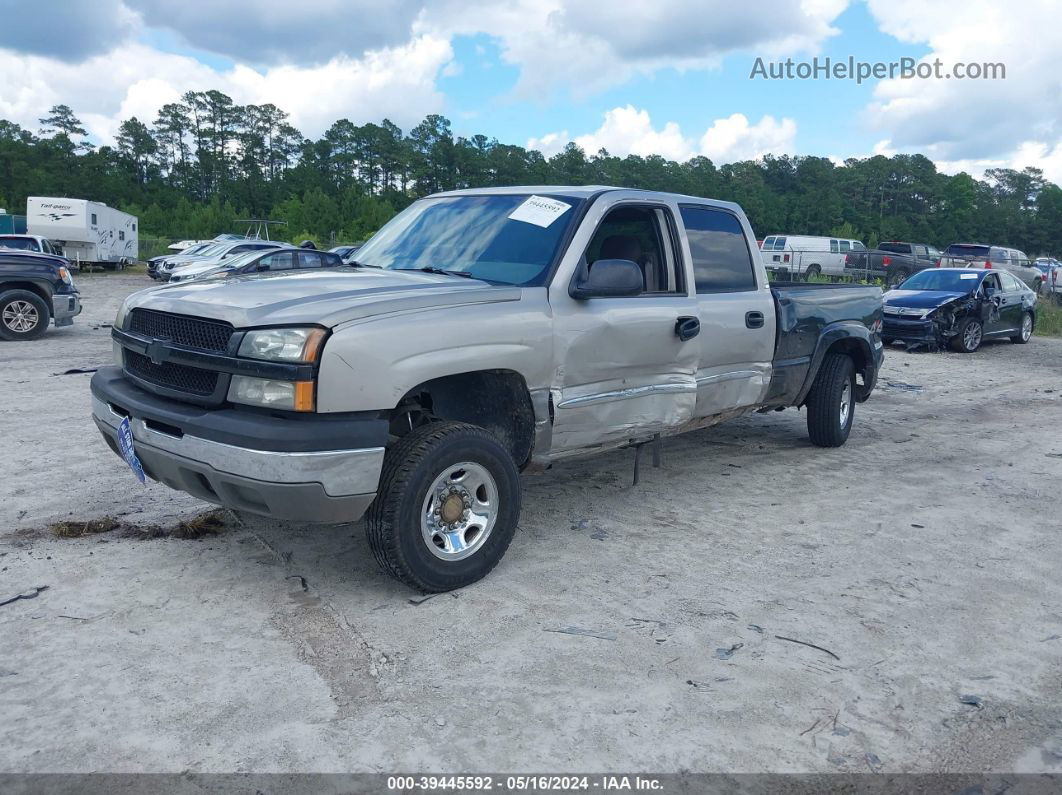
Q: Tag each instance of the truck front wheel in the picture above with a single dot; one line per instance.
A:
(831, 402)
(23, 315)
(447, 507)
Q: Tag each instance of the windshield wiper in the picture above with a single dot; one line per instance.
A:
(355, 264)
(444, 272)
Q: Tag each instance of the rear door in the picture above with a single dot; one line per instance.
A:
(735, 309)
(1011, 307)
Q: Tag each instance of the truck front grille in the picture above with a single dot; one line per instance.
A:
(191, 332)
(172, 376)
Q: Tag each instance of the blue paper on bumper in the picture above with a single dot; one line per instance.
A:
(125, 446)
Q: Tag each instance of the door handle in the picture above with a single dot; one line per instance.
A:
(754, 319)
(687, 327)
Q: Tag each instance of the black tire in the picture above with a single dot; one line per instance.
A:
(964, 342)
(17, 308)
(394, 520)
(887, 341)
(1020, 338)
(1037, 286)
(834, 386)
(897, 276)
(812, 271)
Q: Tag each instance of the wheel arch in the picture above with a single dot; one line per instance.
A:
(854, 340)
(497, 400)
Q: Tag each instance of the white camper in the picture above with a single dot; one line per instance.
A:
(89, 232)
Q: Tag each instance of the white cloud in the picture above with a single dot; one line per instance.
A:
(1015, 122)
(628, 130)
(398, 83)
(733, 138)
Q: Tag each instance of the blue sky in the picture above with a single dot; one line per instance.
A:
(671, 77)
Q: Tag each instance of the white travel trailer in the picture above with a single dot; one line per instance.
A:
(89, 232)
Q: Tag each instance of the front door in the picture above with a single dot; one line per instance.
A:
(736, 313)
(623, 370)
(1011, 307)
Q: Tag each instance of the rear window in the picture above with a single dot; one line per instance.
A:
(896, 248)
(721, 259)
(974, 252)
(20, 243)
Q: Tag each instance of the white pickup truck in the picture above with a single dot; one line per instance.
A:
(478, 334)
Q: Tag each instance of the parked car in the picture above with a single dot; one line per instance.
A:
(193, 250)
(891, 261)
(960, 308)
(800, 255)
(977, 255)
(1051, 269)
(214, 255)
(482, 332)
(345, 251)
(35, 289)
(288, 258)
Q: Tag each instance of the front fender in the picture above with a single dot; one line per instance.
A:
(856, 339)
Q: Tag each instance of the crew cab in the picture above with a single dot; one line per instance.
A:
(35, 289)
(477, 334)
(892, 261)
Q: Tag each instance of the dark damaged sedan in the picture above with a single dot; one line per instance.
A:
(958, 308)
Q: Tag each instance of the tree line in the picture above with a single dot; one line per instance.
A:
(206, 161)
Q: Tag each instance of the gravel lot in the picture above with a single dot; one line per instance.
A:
(924, 555)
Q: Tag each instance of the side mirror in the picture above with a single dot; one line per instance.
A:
(608, 278)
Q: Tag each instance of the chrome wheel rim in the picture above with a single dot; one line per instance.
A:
(1026, 327)
(972, 336)
(846, 403)
(21, 316)
(459, 511)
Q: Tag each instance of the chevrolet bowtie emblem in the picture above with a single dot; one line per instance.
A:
(157, 351)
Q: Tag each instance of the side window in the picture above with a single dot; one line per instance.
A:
(281, 261)
(121, 234)
(767, 244)
(834, 248)
(857, 246)
(721, 259)
(309, 259)
(1010, 283)
(779, 244)
(134, 227)
(998, 255)
(846, 246)
(238, 250)
(640, 234)
(331, 260)
(94, 219)
(990, 283)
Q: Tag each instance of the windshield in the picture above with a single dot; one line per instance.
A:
(238, 260)
(951, 281)
(509, 239)
(211, 250)
(198, 247)
(20, 243)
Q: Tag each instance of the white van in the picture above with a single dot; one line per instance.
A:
(802, 255)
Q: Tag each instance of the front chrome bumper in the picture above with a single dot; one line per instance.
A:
(65, 307)
(331, 486)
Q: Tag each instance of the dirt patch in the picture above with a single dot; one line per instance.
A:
(209, 523)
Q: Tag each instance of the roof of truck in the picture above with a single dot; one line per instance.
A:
(577, 192)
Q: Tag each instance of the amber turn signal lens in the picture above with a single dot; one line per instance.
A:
(304, 395)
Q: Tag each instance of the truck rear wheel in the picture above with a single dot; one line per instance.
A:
(447, 507)
(23, 315)
(831, 403)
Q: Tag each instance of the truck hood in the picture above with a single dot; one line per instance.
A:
(921, 299)
(321, 297)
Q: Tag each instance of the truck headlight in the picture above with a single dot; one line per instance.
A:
(119, 318)
(288, 395)
(283, 344)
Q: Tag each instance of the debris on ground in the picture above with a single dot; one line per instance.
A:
(973, 701)
(579, 631)
(726, 654)
(81, 529)
(904, 386)
(209, 523)
(32, 593)
(78, 371)
(302, 581)
(809, 645)
(419, 600)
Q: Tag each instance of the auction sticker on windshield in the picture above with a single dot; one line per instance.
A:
(540, 211)
(125, 447)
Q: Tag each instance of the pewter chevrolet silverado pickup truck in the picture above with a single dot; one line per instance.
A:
(477, 334)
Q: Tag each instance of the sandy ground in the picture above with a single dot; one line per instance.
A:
(924, 555)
